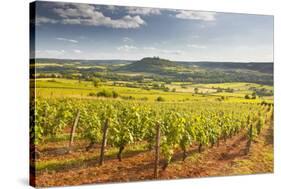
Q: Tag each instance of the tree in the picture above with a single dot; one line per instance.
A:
(196, 90)
(92, 94)
(160, 99)
(219, 90)
(155, 85)
(96, 82)
(166, 89)
(247, 96)
(254, 95)
(115, 94)
(229, 90)
(104, 93)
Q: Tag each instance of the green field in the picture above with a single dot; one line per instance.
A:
(81, 89)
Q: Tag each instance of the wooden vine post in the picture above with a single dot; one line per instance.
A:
(103, 141)
(73, 131)
(250, 136)
(157, 150)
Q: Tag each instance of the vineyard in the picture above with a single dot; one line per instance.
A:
(117, 96)
(162, 128)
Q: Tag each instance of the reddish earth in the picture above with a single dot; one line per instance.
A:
(227, 159)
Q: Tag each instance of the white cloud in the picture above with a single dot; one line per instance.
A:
(164, 51)
(43, 20)
(196, 46)
(127, 40)
(143, 11)
(49, 53)
(68, 40)
(55, 51)
(149, 48)
(111, 7)
(83, 14)
(77, 51)
(196, 15)
(126, 48)
(175, 52)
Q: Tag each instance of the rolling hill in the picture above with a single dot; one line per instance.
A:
(149, 65)
(156, 68)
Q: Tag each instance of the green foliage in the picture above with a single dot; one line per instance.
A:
(96, 82)
(89, 124)
(262, 91)
(92, 94)
(254, 95)
(115, 94)
(151, 65)
(128, 97)
(247, 96)
(104, 93)
(181, 124)
(107, 94)
(160, 99)
(260, 123)
(161, 69)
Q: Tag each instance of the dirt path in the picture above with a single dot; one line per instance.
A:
(227, 159)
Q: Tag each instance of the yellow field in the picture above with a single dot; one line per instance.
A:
(73, 88)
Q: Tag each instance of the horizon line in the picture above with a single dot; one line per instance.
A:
(229, 61)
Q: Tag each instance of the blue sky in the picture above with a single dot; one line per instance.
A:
(83, 31)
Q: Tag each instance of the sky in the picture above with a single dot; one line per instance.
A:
(86, 31)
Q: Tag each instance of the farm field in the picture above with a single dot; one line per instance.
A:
(211, 129)
(134, 127)
(81, 167)
(81, 89)
(192, 144)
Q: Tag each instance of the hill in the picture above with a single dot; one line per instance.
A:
(264, 67)
(79, 61)
(158, 69)
(149, 65)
